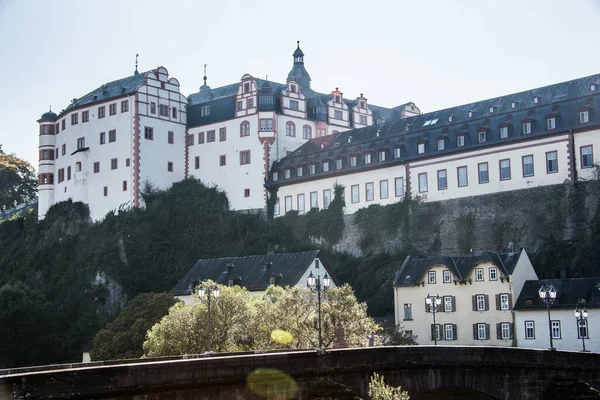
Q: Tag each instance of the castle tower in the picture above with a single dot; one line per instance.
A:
(298, 72)
(47, 155)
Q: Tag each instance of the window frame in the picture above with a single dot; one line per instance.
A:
(401, 181)
(448, 303)
(487, 172)
(556, 328)
(504, 299)
(422, 189)
(481, 136)
(584, 116)
(523, 165)
(550, 123)
(384, 183)
(148, 133)
(481, 336)
(301, 204)
(397, 152)
(495, 277)
(420, 148)
(101, 112)
(459, 142)
(244, 129)
(431, 277)
(479, 275)
(439, 179)
(548, 161)
(222, 160)
(526, 131)
(466, 176)
(529, 331)
(326, 198)
(446, 276)
(112, 109)
(442, 142)
(509, 170)
(222, 134)
(355, 190)
(591, 156)
(507, 331)
(372, 191)
(503, 129)
(245, 158)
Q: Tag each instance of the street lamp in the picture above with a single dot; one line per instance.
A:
(548, 296)
(433, 302)
(581, 316)
(215, 294)
(315, 285)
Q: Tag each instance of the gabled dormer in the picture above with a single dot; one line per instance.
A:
(361, 115)
(337, 110)
(246, 98)
(293, 101)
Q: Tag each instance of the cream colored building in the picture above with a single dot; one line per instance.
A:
(477, 295)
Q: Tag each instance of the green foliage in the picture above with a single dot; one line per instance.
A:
(465, 233)
(241, 323)
(397, 336)
(18, 182)
(124, 337)
(378, 390)
(378, 223)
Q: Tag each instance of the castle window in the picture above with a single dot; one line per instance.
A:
(293, 88)
(114, 163)
(513, 105)
(152, 108)
(326, 198)
(312, 168)
(245, 128)
(362, 120)
(587, 160)
(399, 187)
(78, 166)
(80, 143)
(337, 114)
(368, 158)
(382, 156)
(246, 87)
(169, 166)
(171, 138)
(290, 129)
(423, 183)
(355, 194)
(64, 149)
(210, 136)
(112, 136)
(338, 98)
(527, 165)
(363, 104)
(493, 274)
(250, 103)
(462, 176)
(299, 171)
(222, 160)
(222, 134)
(189, 139)
(584, 116)
(240, 105)
(74, 118)
(288, 203)
(85, 116)
(369, 191)
(124, 186)
(63, 123)
(105, 191)
(127, 162)
(353, 161)
(536, 100)
(503, 132)
(200, 137)
(551, 123)
(484, 176)
(287, 173)
(338, 163)
(97, 167)
(441, 144)
(245, 157)
(325, 166)
(450, 117)
(275, 176)
(442, 179)
(205, 111)
(294, 105)
(592, 87)
(383, 189)
(551, 162)
(174, 113)
(504, 170)
(460, 140)
(397, 152)
(148, 133)
(421, 148)
(112, 109)
(246, 192)
(306, 132)
(124, 106)
(265, 100)
(102, 137)
(266, 125)
(526, 128)
(470, 114)
(481, 136)
(197, 162)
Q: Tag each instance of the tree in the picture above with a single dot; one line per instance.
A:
(18, 182)
(378, 390)
(124, 337)
(397, 336)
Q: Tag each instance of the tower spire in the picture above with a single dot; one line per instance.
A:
(136, 65)
(204, 74)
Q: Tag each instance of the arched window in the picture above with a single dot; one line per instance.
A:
(245, 128)
(290, 129)
(306, 132)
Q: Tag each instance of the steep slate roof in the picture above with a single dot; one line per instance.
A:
(569, 291)
(412, 270)
(289, 267)
(563, 100)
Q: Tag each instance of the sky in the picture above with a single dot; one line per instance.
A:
(437, 54)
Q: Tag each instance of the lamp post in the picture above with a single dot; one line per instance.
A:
(315, 285)
(433, 302)
(548, 296)
(581, 316)
(215, 294)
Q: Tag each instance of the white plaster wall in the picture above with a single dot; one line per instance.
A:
(492, 156)
(568, 326)
(586, 138)
(523, 272)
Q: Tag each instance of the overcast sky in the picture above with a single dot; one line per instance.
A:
(437, 54)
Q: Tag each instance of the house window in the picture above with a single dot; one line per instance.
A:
(127, 162)
(587, 159)
(399, 187)
(325, 166)
(112, 109)
(551, 162)
(245, 128)
(148, 133)
(74, 118)
(189, 140)
(245, 157)
(85, 116)
(222, 160)
(80, 143)
(504, 170)
(441, 144)
(294, 105)
(482, 331)
(479, 274)
(266, 125)
(246, 192)
(124, 186)
(584, 116)
(383, 189)
(528, 165)
(326, 198)
(437, 331)
(314, 200)
(337, 114)
(460, 140)
(169, 166)
(114, 163)
(287, 173)
(503, 132)
(408, 312)
(442, 179)
(423, 183)
(124, 106)
(526, 128)
(250, 103)
(152, 108)
(493, 274)
(301, 202)
(550, 123)
(200, 137)
(555, 329)
(61, 175)
(102, 137)
(446, 276)
(484, 176)
(240, 105)
(481, 137)
(210, 136)
(312, 168)
(529, 330)
(369, 191)
(97, 167)
(362, 119)
(448, 304)
(368, 158)
(276, 208)
(222, 134)
(105, 191)
(197, 162)
(288, 203)
(338, 163)
(353, 161)
(355, 193)
(504, 302)
(504, 331)
(275, 176)
(306, 132)
(299, 171)
(431, 277)
(421, 148)
(205, 111)
(462, 176)
(449, 330)
(397, 152)
(480, 302)
(64, 149)
(582, 329)
(382, 156)
(112, 136)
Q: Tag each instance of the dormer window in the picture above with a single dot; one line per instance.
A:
(406, 128)
(205, 111)
(536, 100)
(551, 123)
(287, 174)
(450, 118)
(368, 158)
(312, 169)
(338, 163)
(441, 144)
(460, 140)
(325, 166)
(513, 104)
(584, 116)
(299, 171)
(470, 114)
(491, 109)
(246, 87)
(338, 98)
(503, 132)
(481, 137)
(421, 148)
(293, 88)
(353, 161)
(593, 87)
(275, 176)
(526, 128)
(382, 156)
(362, 104)
(397, 152)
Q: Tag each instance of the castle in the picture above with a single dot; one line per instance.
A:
(106, 145)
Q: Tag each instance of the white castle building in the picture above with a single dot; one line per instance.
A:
(107, 144)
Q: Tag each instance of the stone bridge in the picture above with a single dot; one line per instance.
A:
(426, 372)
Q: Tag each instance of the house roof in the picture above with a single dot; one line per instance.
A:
(412, 270)
(571, 293)
(562, 100)
(250, 272)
